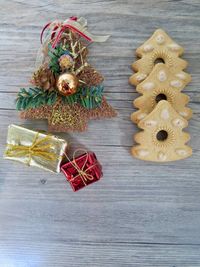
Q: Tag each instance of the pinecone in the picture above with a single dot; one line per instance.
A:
(44, 79)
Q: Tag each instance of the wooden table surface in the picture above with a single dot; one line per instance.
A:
(141, 213)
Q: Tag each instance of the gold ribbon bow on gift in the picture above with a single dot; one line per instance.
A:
(38, 148)
(81, 172)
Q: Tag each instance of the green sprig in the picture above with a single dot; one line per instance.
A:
(91, 97)
(88, 97)
(34, 98)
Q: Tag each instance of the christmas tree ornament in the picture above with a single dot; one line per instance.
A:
(35, 148)
(82, 170)
(162, 138)
(68, 91)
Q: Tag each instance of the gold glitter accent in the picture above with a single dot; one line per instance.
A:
(68, 115)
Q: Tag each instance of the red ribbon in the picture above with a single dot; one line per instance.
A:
(63, 28)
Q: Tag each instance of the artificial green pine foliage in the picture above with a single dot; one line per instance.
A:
(34, 98)
(88, 97)
(91, 97)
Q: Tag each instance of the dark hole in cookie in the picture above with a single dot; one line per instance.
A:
(161, 97)
(162, 135)
(159, 60)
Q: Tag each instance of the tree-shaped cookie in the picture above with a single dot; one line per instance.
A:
(162, 138)
(162, 84)
(67, 90)
(159, 48)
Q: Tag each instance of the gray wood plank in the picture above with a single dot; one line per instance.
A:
(140, 213)
(98, 254)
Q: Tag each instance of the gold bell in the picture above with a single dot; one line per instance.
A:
(67, 84)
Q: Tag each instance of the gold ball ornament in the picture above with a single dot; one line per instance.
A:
(67, 84)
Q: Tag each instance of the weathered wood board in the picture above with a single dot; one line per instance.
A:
(141, 213)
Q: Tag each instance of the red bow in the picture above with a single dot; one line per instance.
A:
(62, 27)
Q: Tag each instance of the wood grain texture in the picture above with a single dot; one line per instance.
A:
(141, 213)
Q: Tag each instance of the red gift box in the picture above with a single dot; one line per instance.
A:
(82, 170)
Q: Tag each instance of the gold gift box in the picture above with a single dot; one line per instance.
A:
(35, 148)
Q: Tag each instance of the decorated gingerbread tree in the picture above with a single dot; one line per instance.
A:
(162, 138)
(158, 48)
(162, 111)
(162, 84)
(67, 90)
